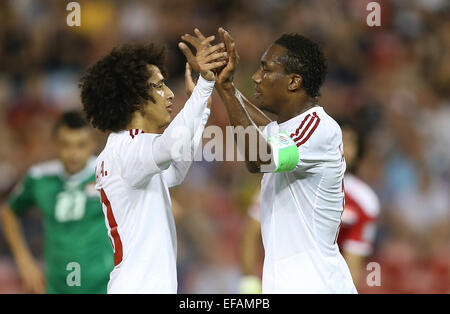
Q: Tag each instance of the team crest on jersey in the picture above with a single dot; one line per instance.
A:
(90, 190)
(283, 139)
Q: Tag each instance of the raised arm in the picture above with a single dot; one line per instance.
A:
(177, 171)
(150, 153)
(239, 109)
(257, 116)
(188, 120)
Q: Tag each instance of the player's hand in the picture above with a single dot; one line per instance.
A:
(31, 275)
(225, 76)
(190, 84)
(195, 41)
(207, 58)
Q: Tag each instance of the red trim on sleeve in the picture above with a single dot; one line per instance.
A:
(300, 127)
(301, 139)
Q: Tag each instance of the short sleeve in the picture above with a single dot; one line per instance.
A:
(270, 129)
(317, 141)
(22, 197)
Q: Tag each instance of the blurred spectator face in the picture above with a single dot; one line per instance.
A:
(74, 147)
(350, 140)
(158, 112)
(271, 81)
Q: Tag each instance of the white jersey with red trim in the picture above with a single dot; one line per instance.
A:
(359, 220)
(301, 211)
(134, 173)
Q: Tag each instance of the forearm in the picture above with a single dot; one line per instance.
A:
(199, 132)
(182, 129)
(236, 108)
(176, 173)
(256, 114)
(14, 234)
(240, 116)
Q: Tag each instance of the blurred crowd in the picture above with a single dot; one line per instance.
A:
(392, 81)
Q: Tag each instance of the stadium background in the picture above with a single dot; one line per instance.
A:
(391, 80)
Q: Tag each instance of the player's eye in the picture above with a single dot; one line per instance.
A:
(158, 85)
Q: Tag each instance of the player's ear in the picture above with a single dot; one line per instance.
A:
(294, 82)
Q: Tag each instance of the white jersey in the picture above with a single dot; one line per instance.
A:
(301, 211)
(134, 173)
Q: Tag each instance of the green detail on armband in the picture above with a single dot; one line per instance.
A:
(287, 151)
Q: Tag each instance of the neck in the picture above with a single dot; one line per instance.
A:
(71, 172)
(139, 122)
(296, 106)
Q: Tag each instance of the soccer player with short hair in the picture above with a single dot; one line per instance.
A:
(125, 93)
(358, 229)
(64, 192)
(302, 195)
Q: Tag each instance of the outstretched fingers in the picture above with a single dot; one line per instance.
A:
(186, 51)
(196, 40)
(210, 50)
(199, 34)
(217, 56)
(206, 42)
(209, 53)
(214, 65)
(188, 82)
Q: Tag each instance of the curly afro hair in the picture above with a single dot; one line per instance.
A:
(306, 59)
(117, 85)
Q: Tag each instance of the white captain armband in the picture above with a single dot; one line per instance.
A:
(284, 151)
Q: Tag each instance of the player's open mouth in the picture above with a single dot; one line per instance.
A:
(169, 108)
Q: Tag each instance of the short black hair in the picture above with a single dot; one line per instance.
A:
(305, 58)
(72, 120)
(117, 85)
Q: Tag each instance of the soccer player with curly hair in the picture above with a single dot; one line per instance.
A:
(125, 94)
(302, 195)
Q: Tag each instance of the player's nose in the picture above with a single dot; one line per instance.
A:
(256, 77)
(169, 94)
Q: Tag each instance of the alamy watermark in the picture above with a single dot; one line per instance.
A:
(374, 17)
(74, 276)
(74, 17)
(232, 144)
(373, 279)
